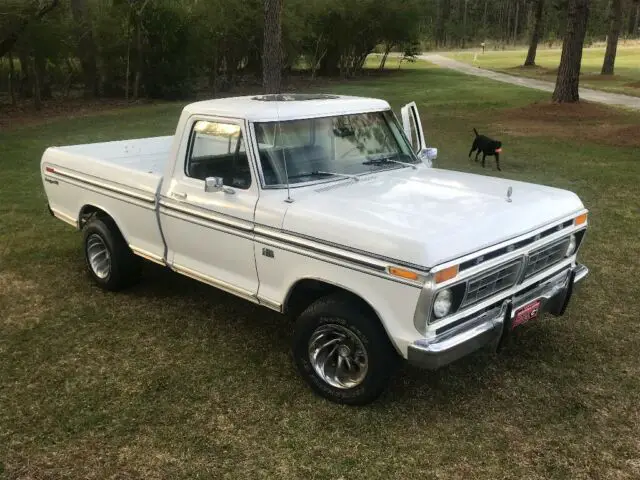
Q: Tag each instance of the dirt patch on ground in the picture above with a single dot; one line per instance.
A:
(632, 85)
(561, 112)
(24, 114)
(583, 121)
(596, 77)
(532, 69)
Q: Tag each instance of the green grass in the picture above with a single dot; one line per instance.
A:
(627, 67)
(173, 379)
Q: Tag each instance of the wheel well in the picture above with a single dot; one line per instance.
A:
(306, 291)
(88, 212)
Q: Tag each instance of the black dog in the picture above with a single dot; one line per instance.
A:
(487, 146)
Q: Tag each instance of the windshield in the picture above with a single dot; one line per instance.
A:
(331, 147)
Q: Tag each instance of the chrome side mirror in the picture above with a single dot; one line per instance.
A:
(213, 184)
(216, 184)
(428, 155)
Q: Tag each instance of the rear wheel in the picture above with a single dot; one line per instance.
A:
(342, 351)
(109, 259)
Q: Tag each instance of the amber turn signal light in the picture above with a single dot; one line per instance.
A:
(580, 219)
(446, 274)
(402, 273)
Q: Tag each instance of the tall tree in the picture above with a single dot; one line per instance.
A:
(86, 46)
(26, 17)
(12, 79)
(634, 18)
(568, 79)
(272, 56)
(515, 22)
(615, 24)
(535, 35)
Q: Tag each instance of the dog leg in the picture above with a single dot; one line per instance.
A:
(477, 153)
(498, 161)
(484, 156)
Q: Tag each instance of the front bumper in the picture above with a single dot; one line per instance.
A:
(493, 325)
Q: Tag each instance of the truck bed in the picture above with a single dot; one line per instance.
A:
(120, 178)
(147, 155)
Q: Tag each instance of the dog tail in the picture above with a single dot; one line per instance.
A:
(475, 131)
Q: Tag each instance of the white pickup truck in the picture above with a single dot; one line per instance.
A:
(329, 209)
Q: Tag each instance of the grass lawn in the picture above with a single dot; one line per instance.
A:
(627, 68)
(174, 379)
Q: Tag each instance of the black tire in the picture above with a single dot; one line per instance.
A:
(351, 314)
(125, 266)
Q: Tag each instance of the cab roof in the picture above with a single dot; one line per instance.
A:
(269, 108)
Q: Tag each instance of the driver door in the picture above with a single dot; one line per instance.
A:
(208, 231)
(413, 130)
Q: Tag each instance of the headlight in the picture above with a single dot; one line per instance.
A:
(442, 303)
(571, 248)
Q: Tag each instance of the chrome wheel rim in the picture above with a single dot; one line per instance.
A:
(99, 257)
(338, 356)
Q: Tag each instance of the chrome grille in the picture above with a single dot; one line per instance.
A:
(492, 282)
(546, 256)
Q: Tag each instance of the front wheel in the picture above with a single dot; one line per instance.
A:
(342, 351)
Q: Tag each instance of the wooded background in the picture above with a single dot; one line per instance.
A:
(170, 49)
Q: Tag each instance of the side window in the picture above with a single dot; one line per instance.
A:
(218, 150)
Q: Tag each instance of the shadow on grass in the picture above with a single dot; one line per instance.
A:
(462, 383)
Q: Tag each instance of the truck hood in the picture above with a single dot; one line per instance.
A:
(426, 216)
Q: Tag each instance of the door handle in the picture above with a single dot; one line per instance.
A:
(179, 196)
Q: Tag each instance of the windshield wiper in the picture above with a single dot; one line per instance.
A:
(336, 174)
(390, 159)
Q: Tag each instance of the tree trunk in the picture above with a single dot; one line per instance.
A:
(507, 32)
(272, 56)
(535, 35)
(318, 56)
(41, 76)
(26, 80)
(441, 28)
(37, 103)
(464, 24)
(329, 63)
(12, 78)
(568, 78)
(127, 73)
(615, 24)
(67, 83)
(515, 22)
(387, 49)
(213, 73)
(86, 47)
(139, 58)
(632, 26)
(484, 18)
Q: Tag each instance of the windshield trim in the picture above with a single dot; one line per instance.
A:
(333, 179)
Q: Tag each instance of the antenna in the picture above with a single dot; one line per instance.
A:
(284, 151)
